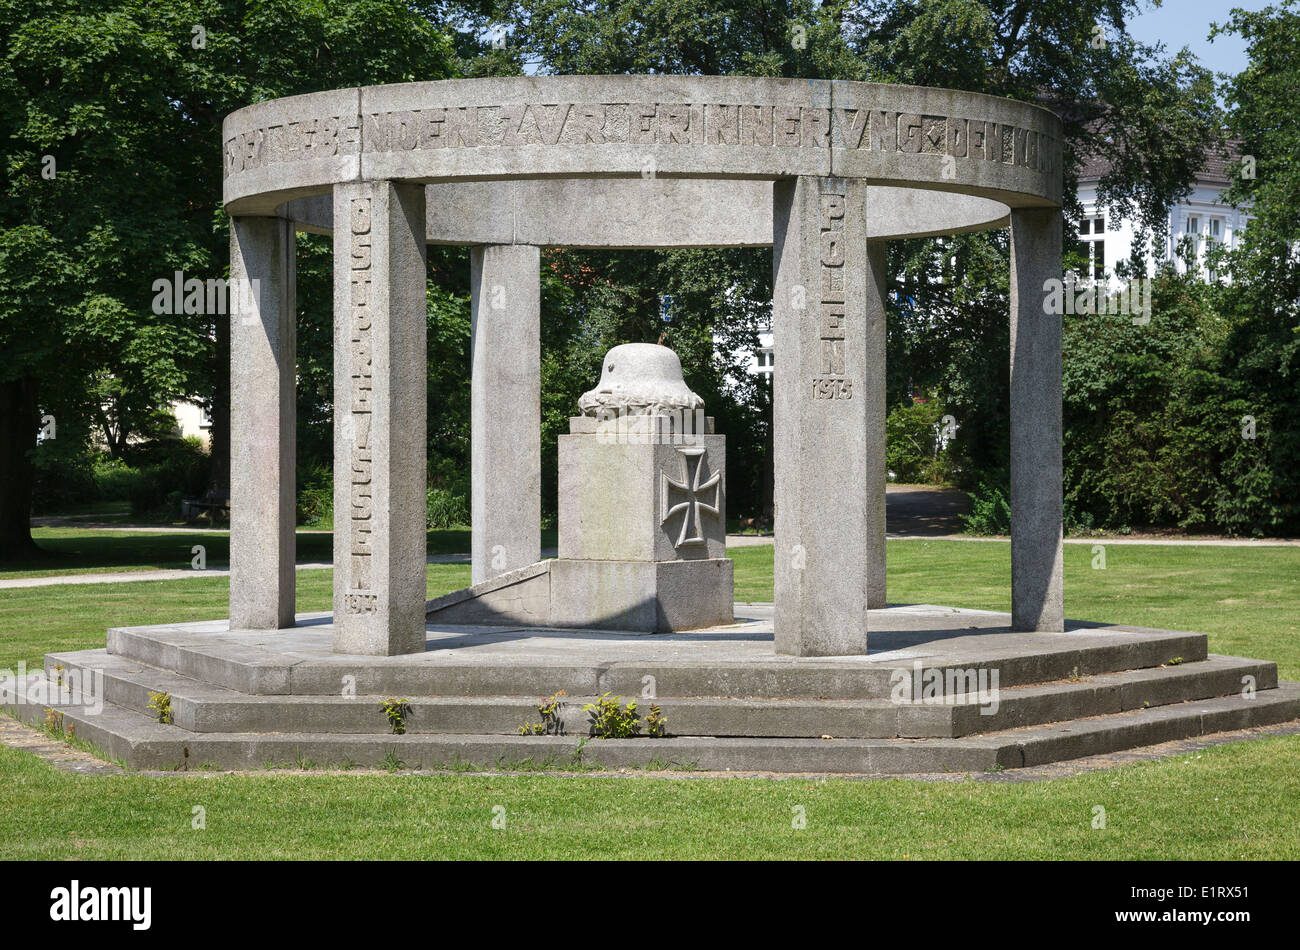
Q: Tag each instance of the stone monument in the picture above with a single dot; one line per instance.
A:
(642, 514)
(824, 172)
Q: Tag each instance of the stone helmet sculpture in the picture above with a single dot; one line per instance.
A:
(640, 379)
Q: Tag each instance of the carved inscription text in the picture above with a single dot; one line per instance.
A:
(831, 382)
(656, 123)
(360, 597)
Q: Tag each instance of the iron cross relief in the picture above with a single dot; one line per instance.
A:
(687, 496)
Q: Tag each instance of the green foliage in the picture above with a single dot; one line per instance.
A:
(911, 443)
(445, 510)
(396, 711)
(63, 471)
(114, 478)
(131, 113)
(315, 503)
(551, 724)
(169, 470)
(609, 720)
(990, 511)
(656, 723)
(161, 704)
(1155, 421)
(1260, 307)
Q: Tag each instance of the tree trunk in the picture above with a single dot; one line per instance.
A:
(19, 423)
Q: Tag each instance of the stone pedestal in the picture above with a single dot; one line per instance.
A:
(379, 418)
(622, 500)
(642, 596)
(643, 540)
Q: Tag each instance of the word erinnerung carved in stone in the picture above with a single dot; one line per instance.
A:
(360, 598)
(706, 124)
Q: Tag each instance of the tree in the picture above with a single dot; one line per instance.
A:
(1149, 114)
(123, 101)
(1261, 303)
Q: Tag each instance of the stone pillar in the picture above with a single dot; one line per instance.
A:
(505, 409)
(822, 417)
(262, 422)
(379, 418)
(1036, 583)
(877, 299)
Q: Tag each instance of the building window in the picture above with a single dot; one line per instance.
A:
(1213, 236)
(1092, 231)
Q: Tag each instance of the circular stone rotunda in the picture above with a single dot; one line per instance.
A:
(829, 678)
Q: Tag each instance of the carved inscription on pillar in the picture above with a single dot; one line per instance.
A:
(360, 597)
(831, 382)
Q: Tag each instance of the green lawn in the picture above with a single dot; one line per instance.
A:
(1231, 802)
(1246, 598)
(1239, 801)
(97, 551)
(39, 620)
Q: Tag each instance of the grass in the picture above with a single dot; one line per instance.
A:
(39, 620)
(1246, 598)
(1231, 802)
(71, 550)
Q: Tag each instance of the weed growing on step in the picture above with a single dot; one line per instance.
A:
(656, 723)
(551, 724)
(161, 704)
(609, 720)
(397, 711)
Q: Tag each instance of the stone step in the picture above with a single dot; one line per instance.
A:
(141, 742)
(203, 708)
(252, 664)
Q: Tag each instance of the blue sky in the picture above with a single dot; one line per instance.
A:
(1179, 23)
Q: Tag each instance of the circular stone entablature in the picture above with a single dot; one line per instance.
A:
(644, 161)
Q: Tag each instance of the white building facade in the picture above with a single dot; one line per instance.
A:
(1202, 218)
